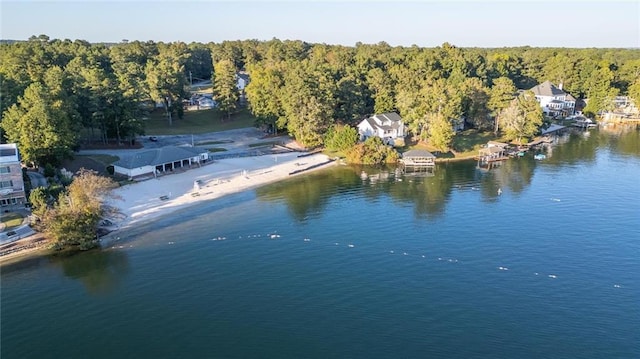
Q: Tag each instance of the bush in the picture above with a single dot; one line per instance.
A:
(340, 138)
(49, 171)
(372, 152)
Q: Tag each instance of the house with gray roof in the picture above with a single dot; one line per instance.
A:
(553, 100)
(388, 126)
(160, 160)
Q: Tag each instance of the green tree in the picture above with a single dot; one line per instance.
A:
(263, 94)
(165, 78)
(73, 220)
(381, 86)
(225, 90)
(600, 94)
(634, 92)
(308, 102)
(440, 131)
(501, 94)
(372, 152)
(41, 125)
(340, 138)
(474, 103)
(522, 119)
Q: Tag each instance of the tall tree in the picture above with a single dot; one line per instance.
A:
(522, 118)
(166, 79)
(381, 87)
(474, 103)
(225, 90)
(501, 94)
(73, 220)
(41, 123)
(308, 103)
(600, 94)
(263, 94)
(440, 131)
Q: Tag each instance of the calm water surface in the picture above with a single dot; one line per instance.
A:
(342, 264)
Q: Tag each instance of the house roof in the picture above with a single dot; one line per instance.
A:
(570, 98)
(491, 150)
(378, 121)
(159, 156)
(417, 153)
(547, 89)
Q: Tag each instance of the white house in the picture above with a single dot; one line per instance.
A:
(11, 182)
(388, 126)
(159, 160)
(242, 79)
(553, 100)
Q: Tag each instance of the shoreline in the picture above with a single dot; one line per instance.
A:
(143, 202)
(140, 203)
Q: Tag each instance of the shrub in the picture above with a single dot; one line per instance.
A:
(340, 138)
(372, 152)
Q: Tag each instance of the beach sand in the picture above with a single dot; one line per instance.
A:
(143, 201)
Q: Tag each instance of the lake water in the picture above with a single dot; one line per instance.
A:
(336, 264)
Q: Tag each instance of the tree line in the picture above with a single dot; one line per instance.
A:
(54, 92)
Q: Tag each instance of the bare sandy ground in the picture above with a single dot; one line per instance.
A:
(146, 200)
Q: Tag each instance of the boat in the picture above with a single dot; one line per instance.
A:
(539, 156)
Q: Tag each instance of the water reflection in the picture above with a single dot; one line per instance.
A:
(100, 271)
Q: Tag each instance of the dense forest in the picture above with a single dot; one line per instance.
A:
(55, 91)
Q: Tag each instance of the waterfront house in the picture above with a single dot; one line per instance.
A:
(553, 100)
(160, 160)
(11, 181)
(388, 126)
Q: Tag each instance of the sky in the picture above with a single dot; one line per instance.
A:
(424, 23)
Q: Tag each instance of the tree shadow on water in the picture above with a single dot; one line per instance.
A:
(100, 271)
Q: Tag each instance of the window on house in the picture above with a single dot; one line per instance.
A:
(6, 184)
(5, 169)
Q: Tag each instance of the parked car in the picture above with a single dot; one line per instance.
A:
(153, 139)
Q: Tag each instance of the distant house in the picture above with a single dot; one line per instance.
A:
(388, 126)
(242, 79)
(11, 182)
(553, 100)
(159, 160)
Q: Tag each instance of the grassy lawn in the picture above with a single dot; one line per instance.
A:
(217, 149)
(195, 122)
(11, 220)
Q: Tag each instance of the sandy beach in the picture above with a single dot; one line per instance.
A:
(146, 200)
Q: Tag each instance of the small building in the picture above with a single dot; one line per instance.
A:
(553, 100)
(418, 158)
(388, 126)
(160, 160)
(11, 181)
(490, 154)
(242, 79)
